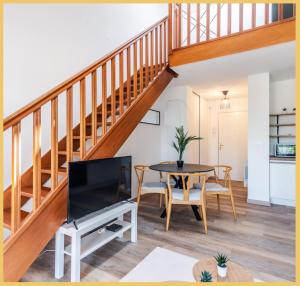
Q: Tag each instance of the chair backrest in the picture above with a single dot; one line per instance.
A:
(168, 162)
(140, 171)
(227, 178)
(187, 183)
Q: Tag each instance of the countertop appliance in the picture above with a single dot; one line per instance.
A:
(285, 150)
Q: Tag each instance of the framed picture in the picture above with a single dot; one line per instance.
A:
(152, 117)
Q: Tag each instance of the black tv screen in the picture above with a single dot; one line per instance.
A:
(96, 184)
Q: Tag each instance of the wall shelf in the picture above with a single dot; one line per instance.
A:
(282, 136)
(282, 125)
(282, 114)
(278, 125)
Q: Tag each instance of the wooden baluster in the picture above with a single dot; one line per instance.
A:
(128, 82)
(188, 24)
(147, 60)
(135, 70)
(267, 14)
(280, 12)
(241, 17)
(69, 124)
(36, 160)
(175, 28)
(179, 25)
(165, 44)
(229, 19)
(121, 84)
(94, 107)
(16, 178)
(113, 90)
(218, 20)
(170, 32)
(156, 52)
(104, 114)
(54, 145)
(82, 118)
(253, 16)
(141, 66)
(160, 47)
(207, 21)
(294, 10)
(151, 56)
(198, 23)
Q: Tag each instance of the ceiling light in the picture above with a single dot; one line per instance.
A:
(225, 103)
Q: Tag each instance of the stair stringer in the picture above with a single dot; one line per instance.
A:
(41, 226)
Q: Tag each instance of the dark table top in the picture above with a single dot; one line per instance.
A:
(187, 168)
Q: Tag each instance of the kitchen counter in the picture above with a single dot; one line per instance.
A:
(282, 159)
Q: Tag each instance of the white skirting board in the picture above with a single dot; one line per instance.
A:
(283, 202)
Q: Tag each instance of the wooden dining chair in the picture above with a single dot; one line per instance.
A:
(148, 187)
(221, 187)
(163, 178)
(187, 195)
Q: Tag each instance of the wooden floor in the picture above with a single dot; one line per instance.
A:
(262, 239)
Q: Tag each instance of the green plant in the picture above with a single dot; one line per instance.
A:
(206, 276)
(221, 259)
(182, 140)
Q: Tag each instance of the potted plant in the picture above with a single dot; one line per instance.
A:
(206, 276)
(222, 264)
(181, 142)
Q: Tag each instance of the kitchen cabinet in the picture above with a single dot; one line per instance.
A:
(283, 182)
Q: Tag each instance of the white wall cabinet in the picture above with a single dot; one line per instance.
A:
(283, 183)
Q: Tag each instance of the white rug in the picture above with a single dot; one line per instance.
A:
(163, 265)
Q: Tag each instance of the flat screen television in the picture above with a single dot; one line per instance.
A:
(97, 184)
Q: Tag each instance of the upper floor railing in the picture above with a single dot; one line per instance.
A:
(195, 23)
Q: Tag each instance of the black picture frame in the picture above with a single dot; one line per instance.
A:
(152, 123)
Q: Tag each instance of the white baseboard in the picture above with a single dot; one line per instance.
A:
(258, 202)
(283, 202)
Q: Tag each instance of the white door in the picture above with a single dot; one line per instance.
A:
(233, 142)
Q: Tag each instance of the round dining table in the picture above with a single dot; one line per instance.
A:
(188, 169)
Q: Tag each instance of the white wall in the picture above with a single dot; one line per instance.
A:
(44, 44)
(144, 146)
(258, 138)
(282, 94)
(174, 106)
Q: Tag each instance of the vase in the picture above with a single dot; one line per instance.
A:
(180, 164)
(222, 271)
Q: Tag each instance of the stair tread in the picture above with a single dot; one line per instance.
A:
(48, 170)
(7, 217)
(27, 191)
(77, 137)
(108, 123)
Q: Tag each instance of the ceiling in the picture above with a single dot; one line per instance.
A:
(209, 77)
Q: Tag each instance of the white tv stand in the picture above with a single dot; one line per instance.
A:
(80, 246)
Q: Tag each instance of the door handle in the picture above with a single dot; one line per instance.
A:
(220, 146)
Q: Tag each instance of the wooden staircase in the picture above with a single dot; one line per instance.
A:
(141, 75)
